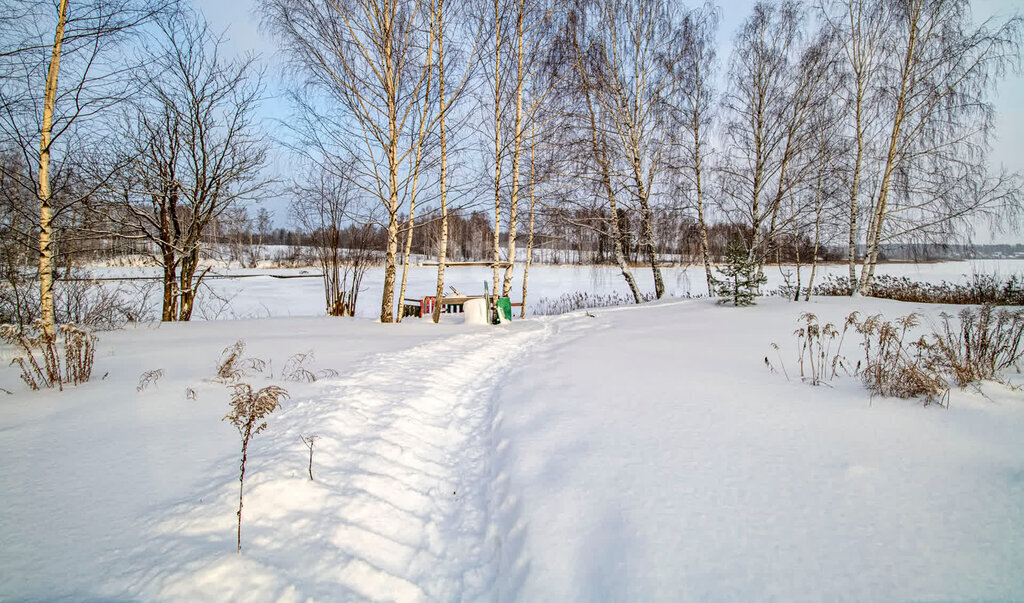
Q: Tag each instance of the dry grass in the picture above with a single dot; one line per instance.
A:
(295, 369)
(42, 364)
(233, 365)
(897, 364)
(903, 360)
(229, 368)
(984, 342)
(981, 289)
(820, 346)
(570, 302)
(149, 378)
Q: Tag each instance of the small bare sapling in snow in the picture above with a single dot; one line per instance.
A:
(248, 413)
(309, 441)
(256, 365)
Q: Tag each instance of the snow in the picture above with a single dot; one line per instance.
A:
(641, 453)
(474, 312)
(256, 294)
(689, 473)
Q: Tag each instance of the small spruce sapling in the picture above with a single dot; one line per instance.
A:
(740, 281)
(248, 412)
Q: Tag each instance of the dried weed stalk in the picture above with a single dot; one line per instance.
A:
(295, 369)
(248, 415)
(820, 348)
(898, 365)
(309, 441)
(229, 367)
(771, 367)
(986, 342)
(232, 365)
(42, 365)
(149, 378)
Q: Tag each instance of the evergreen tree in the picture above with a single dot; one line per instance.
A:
(740, 282)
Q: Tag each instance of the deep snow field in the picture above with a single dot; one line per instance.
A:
(634, 453)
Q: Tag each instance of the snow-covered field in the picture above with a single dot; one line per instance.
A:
(640, 453)
(257, 294)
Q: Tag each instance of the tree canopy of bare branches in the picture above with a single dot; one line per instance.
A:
(62, 68)
(365, 64)
(194, 152)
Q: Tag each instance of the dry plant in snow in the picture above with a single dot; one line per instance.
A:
(986, 342)
(902, 363)
(897, 364)
(309, 441)
(42, 365)
(248, 415)
(149, 378)
(79, 354)
(232, 365)
(820, 347)
(295, 369)
(228, 368)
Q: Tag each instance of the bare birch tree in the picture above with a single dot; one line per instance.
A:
(638, 45)
(697, 109)
(582, 84)
(532, 19)
(438, 24)
(860, 25)
(826, 191)
(368, 58)
(419, 134)
(496, 18)
(44, 102)
(940, 74)
(756, 102)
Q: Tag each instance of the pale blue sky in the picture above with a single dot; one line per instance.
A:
(238, 20)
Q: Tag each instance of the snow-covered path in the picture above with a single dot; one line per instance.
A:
(400, 505)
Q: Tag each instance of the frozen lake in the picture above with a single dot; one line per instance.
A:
(256, 294)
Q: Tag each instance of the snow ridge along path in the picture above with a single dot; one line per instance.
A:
(401, 503)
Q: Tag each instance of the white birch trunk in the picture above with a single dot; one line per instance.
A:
(46, 308)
